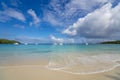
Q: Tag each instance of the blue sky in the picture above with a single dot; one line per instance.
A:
(67, 21)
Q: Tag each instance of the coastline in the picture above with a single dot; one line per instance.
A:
(60, 62)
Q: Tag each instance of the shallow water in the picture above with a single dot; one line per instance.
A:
(76, 59)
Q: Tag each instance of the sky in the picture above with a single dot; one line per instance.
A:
(60, 21)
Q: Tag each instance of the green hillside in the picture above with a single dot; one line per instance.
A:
(111, 42)
(6, 41)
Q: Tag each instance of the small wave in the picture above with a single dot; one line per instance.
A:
(83, 73)
(84, 64)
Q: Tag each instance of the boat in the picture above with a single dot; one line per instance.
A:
(16, 43)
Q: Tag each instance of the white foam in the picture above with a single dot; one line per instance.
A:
(84, 64)
(83, 73)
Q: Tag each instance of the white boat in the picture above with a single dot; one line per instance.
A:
(16, 43)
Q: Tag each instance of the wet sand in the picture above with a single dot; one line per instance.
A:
(36, 72)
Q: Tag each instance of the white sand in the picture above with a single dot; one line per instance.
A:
(36, 72)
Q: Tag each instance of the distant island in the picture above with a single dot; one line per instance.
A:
(6, 41)
(111, 42)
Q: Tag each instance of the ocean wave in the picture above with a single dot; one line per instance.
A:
(84, 64)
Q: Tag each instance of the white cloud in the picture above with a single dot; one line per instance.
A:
(102, 23)
(15, 14)
(66, 12)
(52, 19)
(70, 31)
(36, 20)
(61, 40)
(85, 4)
(9, 13)
(56, 40)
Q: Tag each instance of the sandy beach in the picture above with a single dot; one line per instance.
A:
(59, 39)
(36, 72)
(63, 63)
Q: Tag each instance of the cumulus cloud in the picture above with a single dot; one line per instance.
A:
(65, 12)
(9, 13)
(36, 20)
(56, 40)
(62, 40)
(85, 4)
(101, 23)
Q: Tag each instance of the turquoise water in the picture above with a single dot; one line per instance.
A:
(7, 50)
(70, 58)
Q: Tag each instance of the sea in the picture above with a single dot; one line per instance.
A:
(70, 58)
